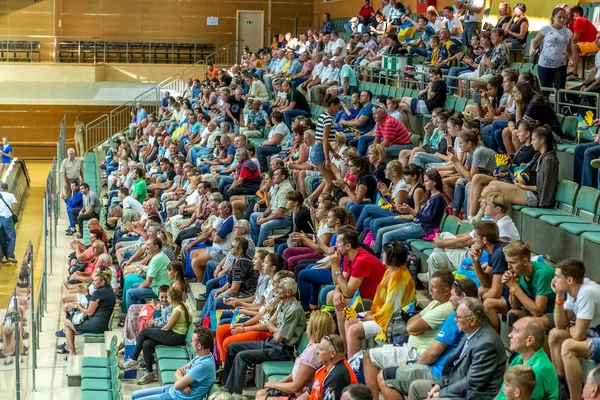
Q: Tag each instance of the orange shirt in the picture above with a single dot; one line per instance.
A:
(328, 384)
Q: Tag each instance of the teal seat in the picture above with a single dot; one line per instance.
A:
(175, 352)
(427, 252)
(587, 199)
(167, 377)
(569, 127)
(271, 368)
(464, 227)
(565, 199)
(113, 393)
(171, 364)
(591, 236)
(579, 228)
(421, 245)
(461, 104)
(450, 102)
(278, 377)
(450, 224)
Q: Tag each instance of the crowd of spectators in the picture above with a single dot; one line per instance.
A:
(297, 224)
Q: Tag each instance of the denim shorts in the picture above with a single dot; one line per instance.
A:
(418, 107)
(515, 43)
(593, 342)
(317, 155)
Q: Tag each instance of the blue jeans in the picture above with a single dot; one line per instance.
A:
(497, 128)
(8, 228)
(215, 283)
(422, 159)
(209, 271)
(289, 115)
(323, 294)
(262, 152)
(487, 137)
(356, 209)
(137, 295)
(172, 127)
(368, 213)
(585, 174)
(298, 81)
(420, 51)
(363, 144)
(403, 232)
(196, 152)
(157, 393)
(213, 303)
(280, 248)
(262, 232)
(224, 180)
(379, 227)
(393, 151)
(460, 188)
(309, 281)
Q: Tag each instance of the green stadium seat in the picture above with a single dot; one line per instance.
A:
(587, 199)
(460, 105)
(450, 102)
(565, 197)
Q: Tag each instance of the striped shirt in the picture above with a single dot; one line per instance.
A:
(392, 130)
(324, 120)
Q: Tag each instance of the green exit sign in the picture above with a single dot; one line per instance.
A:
(249, 22)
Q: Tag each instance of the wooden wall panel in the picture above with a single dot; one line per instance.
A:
(33, 129)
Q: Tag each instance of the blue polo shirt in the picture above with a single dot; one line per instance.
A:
(451, 336)
(202, 369)
(370, 124)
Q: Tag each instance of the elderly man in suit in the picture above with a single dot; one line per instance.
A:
(476, 368)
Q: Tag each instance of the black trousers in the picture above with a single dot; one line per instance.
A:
(242, 354)
(85, 217)
(188, 233)
(149, 338)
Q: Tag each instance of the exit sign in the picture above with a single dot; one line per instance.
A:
(249, 22)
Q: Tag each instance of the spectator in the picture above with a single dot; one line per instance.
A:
(194, 379)
(335, 374)
(278, 136)
(584, 40)
(98, 312)
(329, 78)
(8, 205)
(527, 341)
(90, 208)
(395, 291)
(263, 224)
(139, 191)
(520, 382)
(477, 366)
(79, 126)
(297, 104)
(470, 13)
(391, 133)
(569, 342)
(74, 204)
(357, 391)
(591, 390)
(155, 277)
(552, 63)
(454, 25)
(172, 334)
(504, 17)
(137, 117)
(365, 15)
(71, 170)
(517, 28)
(422, 329)
(287, 324)
(396, 380)
(584, 173)
(434, 96)
(327, 26)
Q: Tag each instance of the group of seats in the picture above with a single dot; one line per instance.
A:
(125, 52)
(11, 51)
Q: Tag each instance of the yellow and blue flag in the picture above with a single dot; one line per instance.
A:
(584, 122)
(351, 311)
(215, 318)
(236, 317)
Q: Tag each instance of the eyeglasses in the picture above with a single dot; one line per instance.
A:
(462, 317)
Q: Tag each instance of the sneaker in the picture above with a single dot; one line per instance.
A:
(129, 364)
(70, 232)
(61, 346)
(12, 260)
(423, 277)
(148, 377)
(595, 163)
(60, 333)
(571, 76)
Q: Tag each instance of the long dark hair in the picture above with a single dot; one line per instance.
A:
(545, 132)
(437, 178)
(177, 267)
(177, 296)
(362, 163)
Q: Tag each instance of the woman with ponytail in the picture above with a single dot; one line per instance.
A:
(540, 191)
(172, 334)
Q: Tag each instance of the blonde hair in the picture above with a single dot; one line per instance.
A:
(396, 166)
(521, 377)
(321, 324)
(517, 248)
(501, 200)
(350, 152)
(379, 151)
(340, 138)
(221, 396)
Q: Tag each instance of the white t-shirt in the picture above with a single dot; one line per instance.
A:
(401, 185)
(130, 202)
(553, 53)
(506, 228)
(9, 198)
(470, 15)
(339, 44)
(283, 130)
(587, 304)
(451, 25)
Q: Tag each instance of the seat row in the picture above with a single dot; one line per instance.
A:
(11, 51)
(125, 52)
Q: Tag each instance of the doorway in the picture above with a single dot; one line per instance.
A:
(250, 28)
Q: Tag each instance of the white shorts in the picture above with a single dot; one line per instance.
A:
(371, 329)
(392, 356)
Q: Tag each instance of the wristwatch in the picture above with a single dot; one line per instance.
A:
(337, 273)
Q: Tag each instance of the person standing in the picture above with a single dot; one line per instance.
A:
(6, 156)
(71, 169)
(90, 209)
(7, 207)
(78, 136)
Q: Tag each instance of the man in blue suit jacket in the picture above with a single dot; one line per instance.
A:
(475, 369)
(74, 204)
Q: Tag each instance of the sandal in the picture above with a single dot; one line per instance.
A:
(62, 351)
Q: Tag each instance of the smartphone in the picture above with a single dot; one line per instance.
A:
(477, 97)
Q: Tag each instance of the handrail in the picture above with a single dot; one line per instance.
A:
(95, 129)
(119, 117)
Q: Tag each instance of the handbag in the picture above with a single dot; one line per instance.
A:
(14, 217)
(78, 266)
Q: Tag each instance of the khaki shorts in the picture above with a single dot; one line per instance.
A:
(587, 47)
(392, 356)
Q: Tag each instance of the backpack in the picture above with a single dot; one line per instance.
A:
(413, 263)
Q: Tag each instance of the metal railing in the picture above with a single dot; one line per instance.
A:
(227, 55)
(150, 100)
(282, 27)
(97, 131)
(120, 117)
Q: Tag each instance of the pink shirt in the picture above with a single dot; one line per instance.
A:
(308, 67)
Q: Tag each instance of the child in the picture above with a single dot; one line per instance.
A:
(519, 382)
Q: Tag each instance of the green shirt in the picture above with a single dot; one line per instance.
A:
(157, 269)
(291, 321)
(139, 187)
(546, 380)
(540, 284)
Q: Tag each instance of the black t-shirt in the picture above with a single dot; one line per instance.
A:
(171, 175)
(523, 155)
(302, 220)
(301, 103)
(371, 182)
(227, 79)
(379, 173)
(236, 107)
(337, 379)
(440, 89)
(106, 303)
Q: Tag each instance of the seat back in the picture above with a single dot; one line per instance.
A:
(451, 224)
(464, 227)
(587, 200)
(569, 128)
(303, 343)
(460, 104)
(565, 194)
(450, 102)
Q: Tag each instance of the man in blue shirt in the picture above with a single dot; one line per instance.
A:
(75, 202)
(363, 122)
(193, 380)
(327, 24)
(396, 380)
(140, 115)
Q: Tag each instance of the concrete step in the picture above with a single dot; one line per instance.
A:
(94, 350)
(74, 370)
(194, 296)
